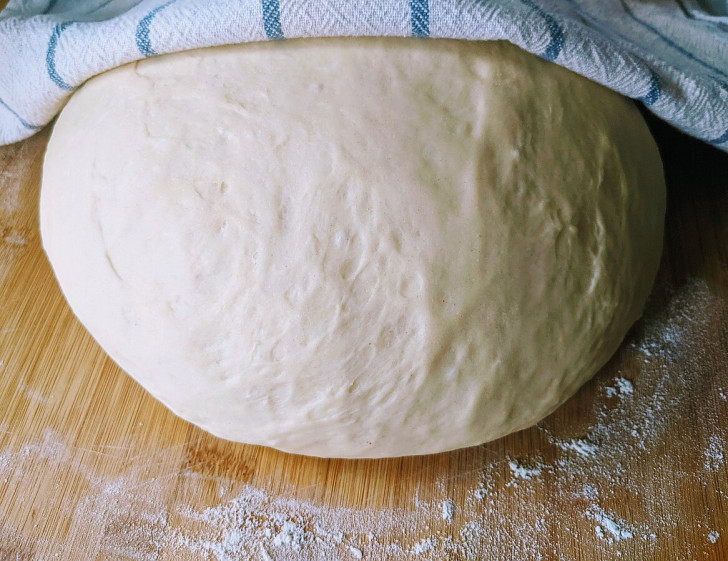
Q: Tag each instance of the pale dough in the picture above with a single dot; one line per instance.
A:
(354, 247)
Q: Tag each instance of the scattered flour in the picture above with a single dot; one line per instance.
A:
(424, 546)
(291, 535)
(590, 491)
(10, 185)
(448, 509)
(524, 471)
(583, 446)
(667, 331)
(14, 237)
(264, 553)
(127, 515)
(622, 388)
(714, 454)
(618, 530)
(36, 395)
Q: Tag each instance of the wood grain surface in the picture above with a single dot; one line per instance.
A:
(634, 467)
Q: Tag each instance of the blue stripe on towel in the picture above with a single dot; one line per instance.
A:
(23, 122)
(670, 42)
(722, 139)
(420, 15)
(653, 94)
(143, 42)
(555, 31)
(51, 57)
(272, 19)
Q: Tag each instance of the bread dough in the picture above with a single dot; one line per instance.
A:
(354, 247)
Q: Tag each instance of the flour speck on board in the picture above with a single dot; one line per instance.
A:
(291, 535)
(622, 388)
(522, 470)
(585, 446)
(10, 192)
(714, 454)
(14, 237)
(713, 536)
(589, 491)
(424, 546)
(448, 509)
(617, 530)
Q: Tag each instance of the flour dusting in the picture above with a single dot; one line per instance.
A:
(448, 509)
(617, 529)
(14, 237)
(10, 184)
(622, 388)
(424, 546)
(514, 507)
(524, 471)
(585, 446)
(714, 454)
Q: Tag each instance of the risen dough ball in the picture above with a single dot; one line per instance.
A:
(351, 247)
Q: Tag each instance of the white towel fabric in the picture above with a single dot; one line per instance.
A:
(672, 55)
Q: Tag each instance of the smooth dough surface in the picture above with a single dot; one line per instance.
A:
(354, 247)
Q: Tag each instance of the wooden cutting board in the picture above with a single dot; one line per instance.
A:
(634, 467)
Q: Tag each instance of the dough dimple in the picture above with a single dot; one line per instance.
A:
(354, 247)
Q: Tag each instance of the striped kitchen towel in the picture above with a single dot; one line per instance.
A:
(672, 55)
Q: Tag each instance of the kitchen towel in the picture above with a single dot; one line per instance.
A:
(672, 55)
